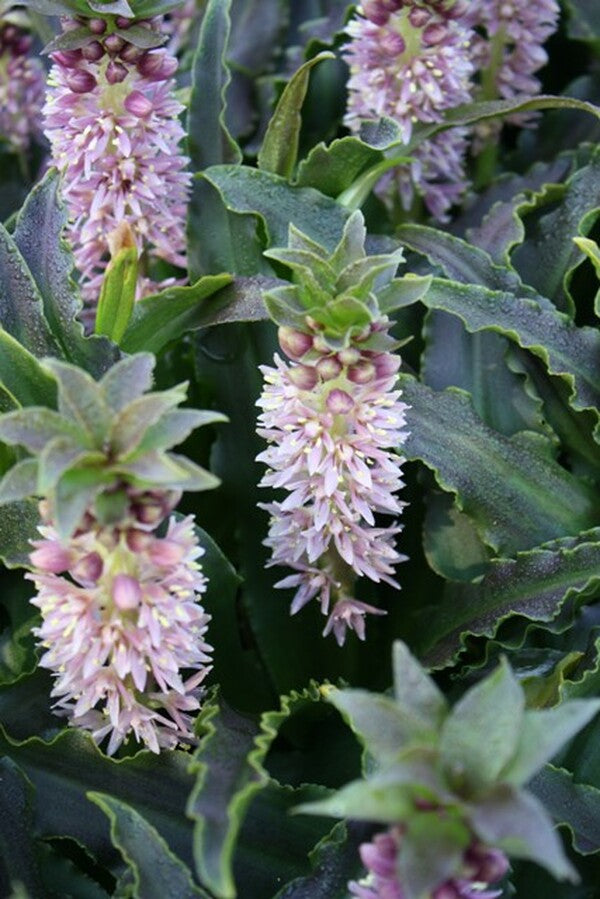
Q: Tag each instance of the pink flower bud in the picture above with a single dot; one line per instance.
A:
(138, 541)
(434, 34)
(68, 59)
(374, 11)
(126, 592)
(303, 376)
(157, 66)
(81, 82)
(113, 43)
(392, 43)
(362, 373)
(93, 51)
(115, 72)
(122, 22)
(339, 402)
(418, 17)
(446, 891)
(386, 364)
(294, 343)
(51, 556)
(131, 53)
(149, 513)
(88, 569)
(328, 368)
(138, 105)
(321, 345)
(97, 26)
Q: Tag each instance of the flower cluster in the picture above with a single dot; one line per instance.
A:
(333, 419)
(482, 867)
(117, 574)
(412, 62)
(22, 85)
(112, 121)
(120, 621)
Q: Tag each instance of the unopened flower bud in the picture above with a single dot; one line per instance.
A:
(294, 343)
(113, 43)
(303, 376)
(88, 569)
(149, 513)
(81, 82)
(131, 53)
(488, 865)
(328, 368)
(434, 34)
(126, 592)
(386, 364)
(137, 104)
(418, 17)
(375, 12)
(166, 552)
(69, 59)
(115, 72)
(122, 22)
(339, 402)
(362, 372)
(138, 541)
(93, 51)
(392, 43)
(97, 26)
(349, 356)
(321, 345)
(157, 66)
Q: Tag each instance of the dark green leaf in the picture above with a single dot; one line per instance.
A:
(451, 544)
(157, 872)
(69, 40)
(584, 20)
(334, 168)
(516, 496)
(575, 804)
(402, 292)
(22, 375)
(280, 144)
(18, 863)
(18, 526)
(164, 317)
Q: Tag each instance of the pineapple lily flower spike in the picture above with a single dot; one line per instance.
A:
(117, 576)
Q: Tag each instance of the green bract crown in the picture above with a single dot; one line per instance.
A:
(448, 774)
(107, 10)
(343, 292)
(106, 436)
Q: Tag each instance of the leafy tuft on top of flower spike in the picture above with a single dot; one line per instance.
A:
(449, 782)
(106, 450)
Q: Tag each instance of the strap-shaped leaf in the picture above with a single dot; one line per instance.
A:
(575, 804)
(280, 144)
(568, 351)
(333, 168)
(23, 376)
(156, 871)
(516, 495)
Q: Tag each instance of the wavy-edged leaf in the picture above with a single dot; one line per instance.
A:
(38, 236)
(568, 351)
(228, 773)
(66, 768)
(333, 168)
(249, 190)
(166, 316)
(575, 804)
(516, 495)
(156, 871)
(452, 546)
(535, 585)
(19, 482)
(22, 375)
(279, 148)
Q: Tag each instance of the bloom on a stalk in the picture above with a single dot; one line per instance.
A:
(118, 576)
(22, 85)
(333, 418)
(412, 61)
(113, 124)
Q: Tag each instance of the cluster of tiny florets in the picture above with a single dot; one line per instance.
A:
(22, 86)
(482, 867)
(122, 628)
(332, 419)
(113, 124)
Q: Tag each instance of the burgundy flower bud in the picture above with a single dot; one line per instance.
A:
(88, 569)
(150, 64)
(138, 541)
(131, 53)
(489, 865)
(328, 368)
(22, 45)
(68, 59)
(375, 12)
(93, 51)
(392, 43)
(126, 592)
(418, 17)
(303, 376)
(122, 22)
(97, 26)
(386, 365)
(81, 82)
(137, 104)
(294, 343)
(339, 402)
(115, 72)
(446, 891)
(52, 557)
(149, 513)
(434, 34)
(113, 43)
(362, 372)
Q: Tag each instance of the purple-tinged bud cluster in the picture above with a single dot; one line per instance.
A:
(482, 867)
(332, 419)
(22, 86)
(121, 621)
(113, 124)
(412, 62)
